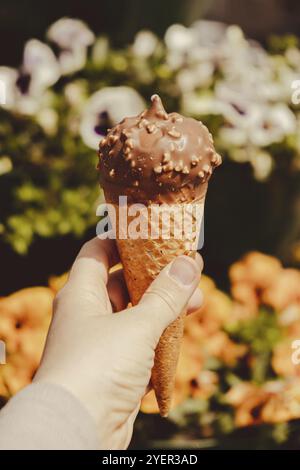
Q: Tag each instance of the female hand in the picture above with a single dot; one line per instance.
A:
(105, 358)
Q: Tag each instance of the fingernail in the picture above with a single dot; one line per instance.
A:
(184, 270)
(195, 302)
(199, 261)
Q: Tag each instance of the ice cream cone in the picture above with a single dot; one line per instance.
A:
(142, 260)
(158, 160)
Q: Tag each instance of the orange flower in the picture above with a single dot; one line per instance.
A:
(32, 346)
(188, 369)
(207, 285)
(245, 293)
(24, 321)
(251, 276)
(289, 319)
(190, 362)
(23, 313)
(17, 373)
(3, 389)
(257, 269)
(248, 400)
(57, 282)
(204, 385)
(283, 403)
(273, 402)
(219, 345)
(214, 313)
(28, 308)
(193, 330)
(284, 291)
(240, 392)
(241, 312)
(149, 403)
(282, 360)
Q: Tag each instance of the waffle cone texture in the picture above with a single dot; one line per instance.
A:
(142, 260)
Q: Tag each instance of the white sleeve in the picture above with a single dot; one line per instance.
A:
(46, 416)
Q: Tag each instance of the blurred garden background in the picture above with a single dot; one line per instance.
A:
(73, 69)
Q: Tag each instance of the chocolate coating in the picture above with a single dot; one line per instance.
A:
(157, 157)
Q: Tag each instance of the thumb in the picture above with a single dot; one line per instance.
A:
(168, 295)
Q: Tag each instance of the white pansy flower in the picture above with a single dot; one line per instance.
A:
(38, 72)
(47, 118)
(235, 36)
(179, 38)
(200, 104)
(193, 77)
(31, 104)
(286, 76)
(234, 136)
(261, 161)
(72, 37)
(241, 154)
(256, 54)
(5, 165)
(262, 164)
(204, 73)
(39, 62)
(145, 43)
(251, 118)
(257, 124)
(28, 105)
(292, 55)
(235, 99)
(70, 33)
(8, 79)
(208, 39)
(272, 124)
(174, 60)
(209, 33)
(240, 58)
(201, 42)
(268, 81)
(106, 108)
(186, 80)
(297, 138)
(100, 51)
(72, 60)
(75, 93)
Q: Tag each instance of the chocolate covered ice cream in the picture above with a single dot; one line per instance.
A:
(157, 157)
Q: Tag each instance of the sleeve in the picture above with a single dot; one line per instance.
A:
(46, 417)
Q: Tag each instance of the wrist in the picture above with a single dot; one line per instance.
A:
(112, 432)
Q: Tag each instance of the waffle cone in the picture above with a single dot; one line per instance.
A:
(142, 260)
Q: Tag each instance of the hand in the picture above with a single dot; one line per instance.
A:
(105, 359)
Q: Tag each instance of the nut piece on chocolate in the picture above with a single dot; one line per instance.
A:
(157, 157)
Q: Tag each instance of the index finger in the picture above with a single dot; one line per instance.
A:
(93, 262)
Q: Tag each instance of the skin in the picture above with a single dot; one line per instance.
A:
(104, 358)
